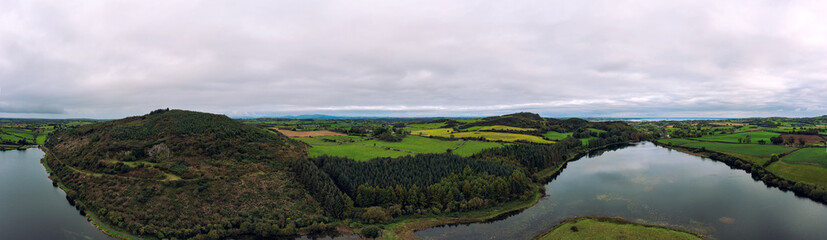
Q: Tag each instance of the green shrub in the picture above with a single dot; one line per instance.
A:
(371, 232)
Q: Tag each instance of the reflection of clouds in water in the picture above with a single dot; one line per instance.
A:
(611, 197)
(726, 220)
(648, 181)
(619, 165)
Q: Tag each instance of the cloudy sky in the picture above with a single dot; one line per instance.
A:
(694, 58)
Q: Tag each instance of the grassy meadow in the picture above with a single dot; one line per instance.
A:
(756, 153)
(800, 172)
(417, 144)
(362, 149)
(810, 156)
(600, 228)
(469, 148)
(556, 136)
(733, 138)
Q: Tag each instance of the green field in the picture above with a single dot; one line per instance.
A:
(733, 138)
(498, 128)
(41, 138)
(800, 172)
(491, 136)
(471, 147)
(588, 228)
(812, 156)
(9, 137)
(439, 132)
(424, 126)
(756, 153)
(16, 134)
(676, 141)
(467, 121)
(417, 144)
(369, 149)
(556, 136)
(498, 136)
(356, 151)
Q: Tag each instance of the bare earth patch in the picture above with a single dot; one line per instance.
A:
(808, 139)
(307, 133)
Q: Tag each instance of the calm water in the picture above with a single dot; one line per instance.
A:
(31, 208)
(650, 184)
(643, 183)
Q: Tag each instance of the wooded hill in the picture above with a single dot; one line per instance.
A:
(180, 173)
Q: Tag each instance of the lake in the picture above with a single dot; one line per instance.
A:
(31, 208)
(655, 185)
(642, 183)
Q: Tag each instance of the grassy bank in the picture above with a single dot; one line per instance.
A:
(611, 228)
(803, 180)
(403, 227)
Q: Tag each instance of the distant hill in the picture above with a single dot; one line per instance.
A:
(175, 173)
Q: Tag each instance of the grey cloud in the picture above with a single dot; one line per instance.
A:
(30, 109)
(416, 58)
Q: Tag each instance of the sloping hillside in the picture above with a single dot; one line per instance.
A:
(180, 174)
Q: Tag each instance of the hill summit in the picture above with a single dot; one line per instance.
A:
(182, 173)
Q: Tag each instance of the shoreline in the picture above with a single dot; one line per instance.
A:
(80, 206)
(758, 172)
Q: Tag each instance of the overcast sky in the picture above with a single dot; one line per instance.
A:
(111, 59)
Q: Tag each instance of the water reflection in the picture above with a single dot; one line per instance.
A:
(31, 208)
(653, 185)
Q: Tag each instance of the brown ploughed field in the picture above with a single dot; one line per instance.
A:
(808, 139)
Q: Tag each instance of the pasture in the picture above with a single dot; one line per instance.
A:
(360, 149)
(417, 144)
(439, 132)
(355, 151)
(810, 156)
(800, 172)
(472, 147)
(733, 138)
(498, 136)
(756, 153)
(423, 126)
(556, 136)
(676, 141)
(490, 136)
